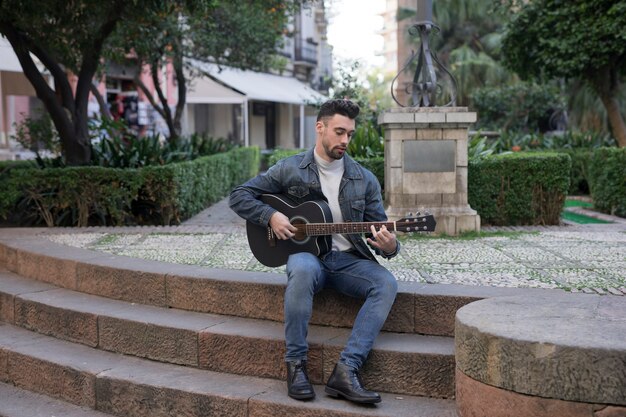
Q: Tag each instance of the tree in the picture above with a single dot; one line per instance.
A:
(243, 34)
(71, 36)
(572, 39)
(63, 36)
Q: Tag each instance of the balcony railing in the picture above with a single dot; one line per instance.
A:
(305, 51)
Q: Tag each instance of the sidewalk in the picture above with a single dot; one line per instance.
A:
(587, 258)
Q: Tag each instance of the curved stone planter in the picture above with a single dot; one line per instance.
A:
(556, 355)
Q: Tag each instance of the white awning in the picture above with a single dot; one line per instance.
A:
(261, 86)
(208, 91)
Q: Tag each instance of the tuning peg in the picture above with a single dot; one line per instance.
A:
(409, 214)
(427, 213)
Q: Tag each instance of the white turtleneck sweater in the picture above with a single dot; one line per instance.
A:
(330, 180)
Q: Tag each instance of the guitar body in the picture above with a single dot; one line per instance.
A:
(272, 251)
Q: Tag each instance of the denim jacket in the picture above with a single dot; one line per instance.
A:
(297, 176)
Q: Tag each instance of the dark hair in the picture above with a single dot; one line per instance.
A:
(338, 106)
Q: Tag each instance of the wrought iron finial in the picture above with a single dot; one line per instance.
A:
(424, 89)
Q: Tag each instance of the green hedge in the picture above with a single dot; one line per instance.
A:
(519, 188)
(579, 174)
(607, 180)
(160, 195)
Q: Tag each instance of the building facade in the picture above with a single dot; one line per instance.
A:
(268, 110)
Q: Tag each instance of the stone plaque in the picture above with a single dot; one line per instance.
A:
(429, 155)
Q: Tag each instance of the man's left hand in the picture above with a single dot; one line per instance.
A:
(383, 239)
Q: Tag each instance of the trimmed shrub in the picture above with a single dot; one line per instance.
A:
(519, 188)
(157, 195)
(76, 196)
(607, 180)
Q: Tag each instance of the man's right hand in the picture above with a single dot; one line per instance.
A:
(281, 226)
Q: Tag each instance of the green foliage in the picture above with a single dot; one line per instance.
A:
(38, 135)
(607, 178)
(348, 84)
(523, 106)
(478, 147)
(519, 188)
(367, 141)
(70, 196)
(89, 196)
(586, 40)
(571, 39)
(117, 146)
(579, 146)
(520, 141)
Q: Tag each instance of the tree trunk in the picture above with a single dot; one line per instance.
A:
(104, 108)
(167, 112)
(615, 119)
(182, 86)
(606, 84)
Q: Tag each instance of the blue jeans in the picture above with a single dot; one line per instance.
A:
(350, 275)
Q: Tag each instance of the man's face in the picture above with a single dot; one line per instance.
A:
(333, 135)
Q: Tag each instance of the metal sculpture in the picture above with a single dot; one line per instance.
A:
(424, 88)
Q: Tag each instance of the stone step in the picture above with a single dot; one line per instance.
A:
(16, 402)
(134, 387)
(399, 363)
(419, 308)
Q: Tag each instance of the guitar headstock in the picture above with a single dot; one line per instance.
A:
(424, 223)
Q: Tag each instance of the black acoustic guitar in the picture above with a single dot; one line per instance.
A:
(314, 222)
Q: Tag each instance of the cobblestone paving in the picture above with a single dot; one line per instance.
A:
(590, 260)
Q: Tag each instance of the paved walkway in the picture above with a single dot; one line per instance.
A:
(587, 258)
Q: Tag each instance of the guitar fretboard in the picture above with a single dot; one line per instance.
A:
(320, 229)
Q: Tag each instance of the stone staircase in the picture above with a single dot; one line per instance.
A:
(92, 333)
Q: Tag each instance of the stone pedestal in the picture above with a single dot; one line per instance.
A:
(426, 165)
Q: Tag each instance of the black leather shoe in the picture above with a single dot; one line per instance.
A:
(346, 382)
(298, 385)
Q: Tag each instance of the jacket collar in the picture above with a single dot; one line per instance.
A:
(351, 168)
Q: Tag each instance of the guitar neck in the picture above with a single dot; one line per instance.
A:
(320, 229)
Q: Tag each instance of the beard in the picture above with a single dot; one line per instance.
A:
(334, 153)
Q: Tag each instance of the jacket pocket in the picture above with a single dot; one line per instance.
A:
(358, 208)
(298, 191)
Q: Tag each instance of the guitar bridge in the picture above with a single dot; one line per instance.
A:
(271, 237)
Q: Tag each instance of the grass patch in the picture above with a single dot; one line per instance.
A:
(581, 218)
(578, 203)
(577, 217)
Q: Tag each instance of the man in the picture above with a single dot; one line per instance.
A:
(353, 194)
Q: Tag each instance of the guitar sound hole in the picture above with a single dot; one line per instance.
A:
(301, 232)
